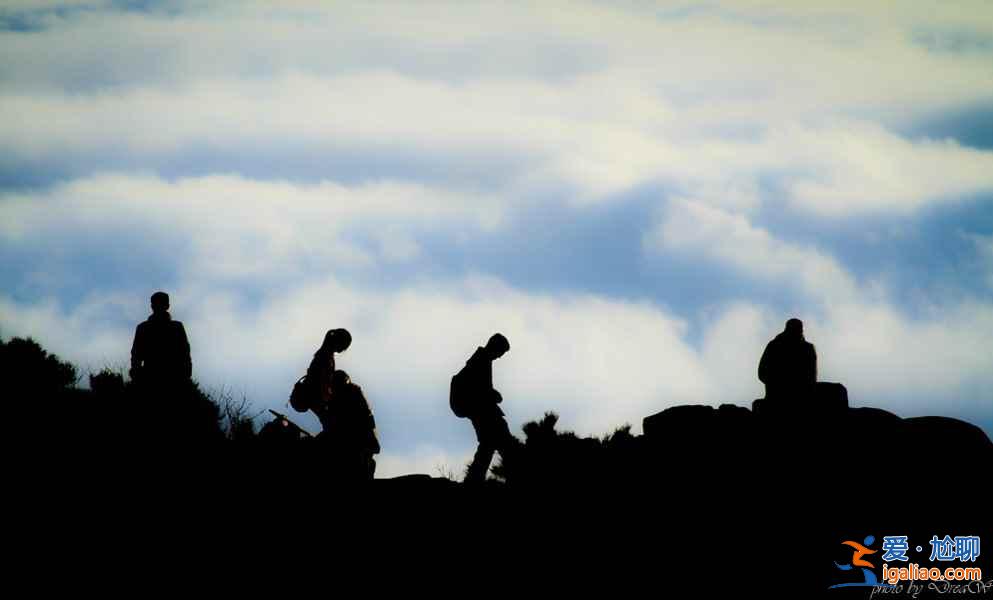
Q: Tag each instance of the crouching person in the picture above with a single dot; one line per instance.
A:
(348, 431)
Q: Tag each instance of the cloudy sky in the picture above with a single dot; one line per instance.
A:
(637, 194)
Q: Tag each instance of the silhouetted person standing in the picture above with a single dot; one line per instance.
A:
(788, 367)
(160, 354)
(161, 371)
(473, 396)
(321, 370)
(348, 430)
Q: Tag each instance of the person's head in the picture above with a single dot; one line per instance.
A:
(337, 340)
(339, 379)
(160, 302)
(794, 328)
(498, 345)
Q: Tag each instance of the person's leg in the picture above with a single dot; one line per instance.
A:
(480, 466)
(503, 441)
(361, 465)
(476, 473)
(331, 456)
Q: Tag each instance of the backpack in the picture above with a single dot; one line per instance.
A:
(302, 396)
(458, 399)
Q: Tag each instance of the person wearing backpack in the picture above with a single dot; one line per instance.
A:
(313, 390)
(472, 396)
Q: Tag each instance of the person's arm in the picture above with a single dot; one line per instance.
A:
(319, 375)
(371, 426)
(764, 364)
(137, 351)
(312, 370)
(487, 366)
(320, 369)
(494, 394)
(184, 346)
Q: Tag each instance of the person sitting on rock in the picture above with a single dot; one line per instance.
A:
(788, 367)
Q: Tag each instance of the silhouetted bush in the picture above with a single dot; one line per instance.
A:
(27, 366)
(237, 420)
(552, 458)
(44, 390)
(107, 384)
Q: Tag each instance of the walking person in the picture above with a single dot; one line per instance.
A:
(473, 396)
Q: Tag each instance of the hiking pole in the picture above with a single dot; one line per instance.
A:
(291, 424)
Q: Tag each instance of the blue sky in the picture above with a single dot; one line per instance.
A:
(637, 194)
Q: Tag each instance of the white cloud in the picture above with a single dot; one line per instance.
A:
(984, 246)
(733, 340)
(860, 169)
(239, 228)
(708, 103)
(694, 227)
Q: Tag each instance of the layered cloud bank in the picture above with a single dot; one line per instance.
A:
(638, 198)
